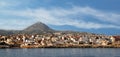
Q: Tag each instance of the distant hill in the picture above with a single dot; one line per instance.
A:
(9, 32)
(37, 28)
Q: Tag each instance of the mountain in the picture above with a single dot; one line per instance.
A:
(38, 27)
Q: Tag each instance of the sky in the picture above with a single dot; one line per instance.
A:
(95, 16)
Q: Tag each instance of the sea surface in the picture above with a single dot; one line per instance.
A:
(61, 52)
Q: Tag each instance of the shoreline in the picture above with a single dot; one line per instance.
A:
(60, 40)
(70, 46)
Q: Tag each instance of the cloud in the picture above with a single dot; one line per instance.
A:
(61, 16)
(3, 3)
(7, 4)
(102, 16)
(16, 24)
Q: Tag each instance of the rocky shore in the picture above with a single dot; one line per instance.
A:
(59, 40)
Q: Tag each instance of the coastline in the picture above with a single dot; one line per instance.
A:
(63, 46)
(59, 40)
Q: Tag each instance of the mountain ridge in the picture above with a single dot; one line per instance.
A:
(37, 28)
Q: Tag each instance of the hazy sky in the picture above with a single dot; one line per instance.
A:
(99, 16)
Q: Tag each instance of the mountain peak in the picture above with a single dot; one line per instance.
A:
(38, 27)
(38, 23)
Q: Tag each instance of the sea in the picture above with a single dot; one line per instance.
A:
(60, 52)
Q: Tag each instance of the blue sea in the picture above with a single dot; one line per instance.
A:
(61, 52)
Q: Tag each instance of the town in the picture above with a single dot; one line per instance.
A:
(59, 40)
